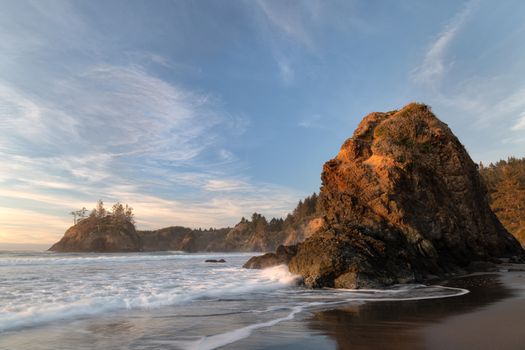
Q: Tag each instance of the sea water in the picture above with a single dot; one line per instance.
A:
(161, 300)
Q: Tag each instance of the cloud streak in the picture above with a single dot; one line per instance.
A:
(290, 19)
(434, 64)
(289, 27)
(520, 124)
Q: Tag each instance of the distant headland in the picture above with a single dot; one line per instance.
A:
(114, 231)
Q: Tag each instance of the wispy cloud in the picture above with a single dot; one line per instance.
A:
(289, 26)
(286, 71)
(434, 64)
(520, 124)
(224, 185)
(312, 122)
(290, 18)
(490, 100)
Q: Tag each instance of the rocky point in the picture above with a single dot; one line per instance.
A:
(403, 202)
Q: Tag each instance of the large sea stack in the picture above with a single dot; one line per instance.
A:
(403, 201)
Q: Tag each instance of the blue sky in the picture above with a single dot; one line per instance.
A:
(199, 112)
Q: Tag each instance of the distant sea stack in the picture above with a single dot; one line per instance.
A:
(402, 202)
(99, 235)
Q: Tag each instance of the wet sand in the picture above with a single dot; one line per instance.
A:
(491, 316)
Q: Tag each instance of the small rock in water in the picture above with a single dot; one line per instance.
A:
(215, 261)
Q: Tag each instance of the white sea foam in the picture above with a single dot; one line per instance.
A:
(345, 296)
(40, 288)
(280, 274)
(222, 339)
(38, 293)
(96, 258)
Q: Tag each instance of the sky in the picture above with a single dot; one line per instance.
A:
(197, 113)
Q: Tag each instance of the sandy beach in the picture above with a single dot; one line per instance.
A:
(489, 317)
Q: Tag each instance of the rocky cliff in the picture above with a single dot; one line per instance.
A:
(402, 201)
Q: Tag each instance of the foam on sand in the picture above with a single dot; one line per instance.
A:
(344, 296)
(222, 339)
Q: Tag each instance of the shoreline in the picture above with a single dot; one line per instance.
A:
(186, 303)
(486, 318)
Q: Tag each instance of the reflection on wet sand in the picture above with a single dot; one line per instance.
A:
(395, 325)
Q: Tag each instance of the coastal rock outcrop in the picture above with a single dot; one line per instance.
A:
(282, 255)
(402, 201)
(99, 235)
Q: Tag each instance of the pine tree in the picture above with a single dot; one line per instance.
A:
(128, 214)
(99, 211)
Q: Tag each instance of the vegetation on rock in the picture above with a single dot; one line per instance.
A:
(505, 182)
(102, 231)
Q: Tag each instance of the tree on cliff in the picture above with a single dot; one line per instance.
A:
(79, 215)
(259, 223)
(121, 214)
(99, 211)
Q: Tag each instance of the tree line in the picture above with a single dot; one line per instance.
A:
(306, 209)
(119, 213)
(505, 181)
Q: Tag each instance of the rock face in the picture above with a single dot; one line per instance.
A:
(99, 235)
(402, 200)
(282, 255)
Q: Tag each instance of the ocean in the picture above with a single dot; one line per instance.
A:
(167, 300)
